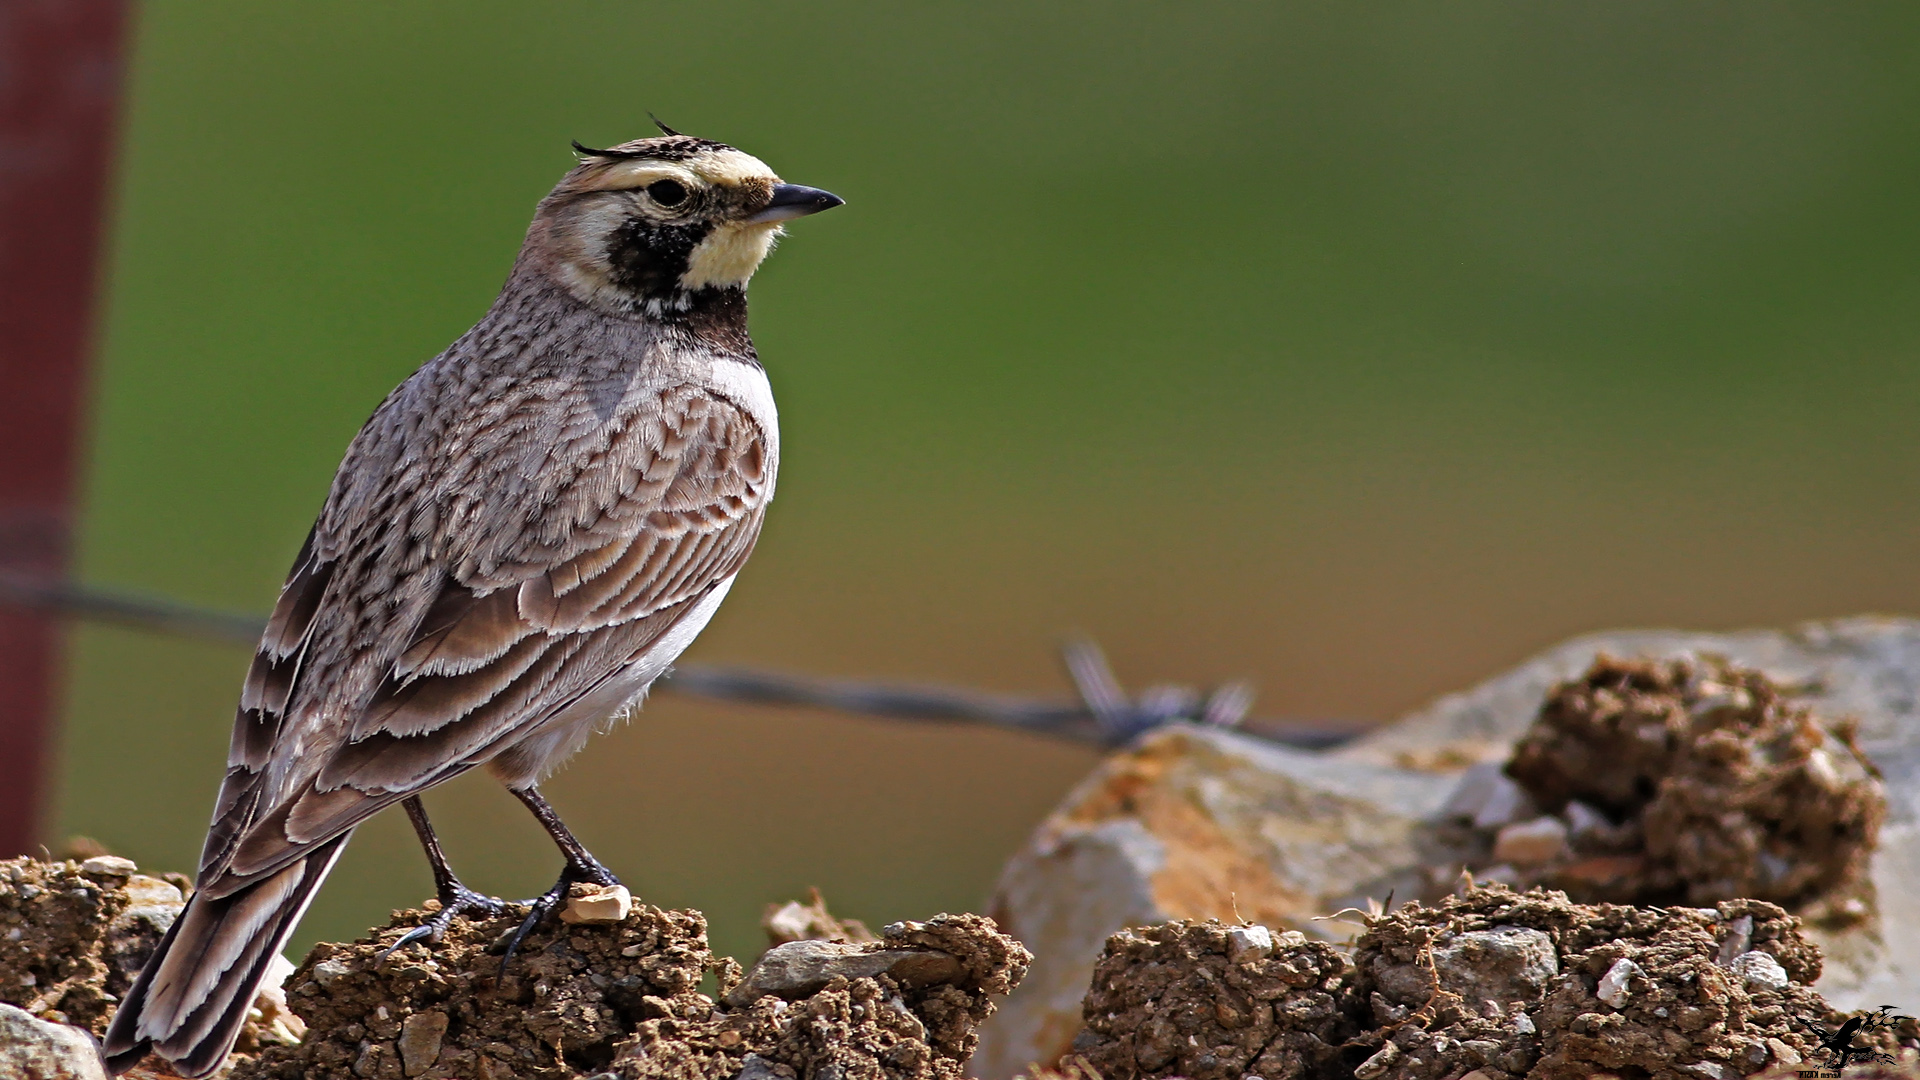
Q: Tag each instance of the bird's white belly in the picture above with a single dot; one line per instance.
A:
(561, 737)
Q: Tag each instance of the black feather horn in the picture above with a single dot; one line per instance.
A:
(662, 125)
(588, 151)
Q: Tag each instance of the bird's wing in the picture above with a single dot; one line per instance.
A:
(503, 644)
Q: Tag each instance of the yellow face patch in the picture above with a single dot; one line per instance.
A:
(729, 255)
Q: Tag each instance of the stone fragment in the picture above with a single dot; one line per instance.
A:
(1502, 965)
(1613, 985)
(801, 968)
(1529, 843)
(1246, 943)
(1759, 970)
(597, 905)
(110, 866)
(420, 1036)
(36, 1049)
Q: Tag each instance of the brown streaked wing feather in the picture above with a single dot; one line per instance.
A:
(495, 655)
(263, 700)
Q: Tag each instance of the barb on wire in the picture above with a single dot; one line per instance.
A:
(1104, 716)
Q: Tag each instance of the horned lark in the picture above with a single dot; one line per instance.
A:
(522, 539)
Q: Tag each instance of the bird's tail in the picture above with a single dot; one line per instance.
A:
(193, 996)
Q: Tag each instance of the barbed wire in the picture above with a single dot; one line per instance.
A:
(1104, 716)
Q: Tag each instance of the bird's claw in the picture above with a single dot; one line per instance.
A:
(458, 901)
(547, 902)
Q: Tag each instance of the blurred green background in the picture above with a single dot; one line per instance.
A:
(1359, 349)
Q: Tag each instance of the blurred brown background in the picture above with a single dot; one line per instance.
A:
(1361, 351)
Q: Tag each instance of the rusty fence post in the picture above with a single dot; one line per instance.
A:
(60, 72)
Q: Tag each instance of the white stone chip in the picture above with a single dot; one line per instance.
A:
(1247, 943)
(1759, 970)
(1613, 985)
(606, 904)
(108, 866)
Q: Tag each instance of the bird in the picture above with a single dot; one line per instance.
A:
(522, 538)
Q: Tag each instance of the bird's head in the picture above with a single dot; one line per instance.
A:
(651, 225)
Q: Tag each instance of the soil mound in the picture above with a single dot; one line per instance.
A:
(624, 1000)
(1213, 1002)
(1684, 780)
(75, 933)
(1491, 985)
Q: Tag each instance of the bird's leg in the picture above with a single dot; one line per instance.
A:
(455, 899)
(581, 866)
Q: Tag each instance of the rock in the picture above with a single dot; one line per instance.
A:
(1759, 970)
(1526, 843)
(1246, 943)
(108, 866)
(1187, 823)
(1613, 989)
(1502, 965)
(591, 905)
(420, 1036)
(802, 968)
(36, 1049)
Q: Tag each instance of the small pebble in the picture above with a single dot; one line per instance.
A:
(108, 866)
(1249, 943)
(1759, 970)
(1613, 985)
(607, 904)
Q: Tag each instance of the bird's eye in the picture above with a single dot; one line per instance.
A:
(667, 192)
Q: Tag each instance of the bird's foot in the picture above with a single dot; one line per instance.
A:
(454, 903)
(591, 873)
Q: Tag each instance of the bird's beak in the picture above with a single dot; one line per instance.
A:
(795, 200)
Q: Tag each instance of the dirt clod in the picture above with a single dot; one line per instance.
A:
(1170, 1000)
(623, 1000)
(1690, 780)
(73, 935)
(1501, 983)
(1531, 984)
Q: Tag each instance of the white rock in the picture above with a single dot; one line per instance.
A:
(36, 1049)
(1760, 970)
(108, 866)
(1613, 985)
(1246, 943)
(605, 904)
(1530, 843)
